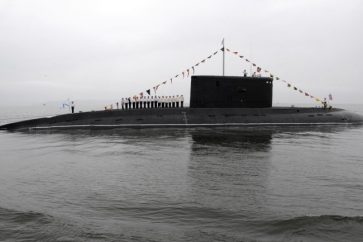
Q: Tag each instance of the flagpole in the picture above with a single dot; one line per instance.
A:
(224, 51)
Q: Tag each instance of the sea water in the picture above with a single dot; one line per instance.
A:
(167, 184)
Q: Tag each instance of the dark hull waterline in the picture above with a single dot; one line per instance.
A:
(191, 117)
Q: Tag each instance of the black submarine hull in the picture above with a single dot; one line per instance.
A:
(191, 117)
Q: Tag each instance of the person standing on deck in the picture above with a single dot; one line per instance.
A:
(72, 106)
(156, 102)
(177, 100)
(181, 101)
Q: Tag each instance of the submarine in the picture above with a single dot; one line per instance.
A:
(214, 101)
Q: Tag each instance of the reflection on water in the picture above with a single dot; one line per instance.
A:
(180, 184)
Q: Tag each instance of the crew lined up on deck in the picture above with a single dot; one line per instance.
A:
(151, 102)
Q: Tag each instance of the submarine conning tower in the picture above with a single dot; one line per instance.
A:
(230, 92)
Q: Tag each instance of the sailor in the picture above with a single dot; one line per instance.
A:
(173, 101)
(177, 100)
(162, 101)
(145, 102)
(129, 99)
(156, 102)
(159, 102)
(244, 73)
(151, 102)
(181, 101)
(117, 105)
(133, 103)
(141, 101)
(148, 102)
(72, 106)
(122, 103)
(258, 72)
(325, 104)
(166, 101)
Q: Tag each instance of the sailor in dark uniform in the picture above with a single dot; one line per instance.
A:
(156, 102)
(181, 101)
(72, 106)
(177, 100)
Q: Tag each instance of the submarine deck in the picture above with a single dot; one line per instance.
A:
(190, 117)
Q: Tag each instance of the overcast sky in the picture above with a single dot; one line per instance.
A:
(84, 49)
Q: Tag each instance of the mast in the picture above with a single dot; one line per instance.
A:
(224, 51)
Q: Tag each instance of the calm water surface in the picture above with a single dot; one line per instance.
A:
(225, 184)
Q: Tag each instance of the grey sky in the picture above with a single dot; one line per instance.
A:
(52, 50)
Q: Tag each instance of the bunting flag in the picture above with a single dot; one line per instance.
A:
(203, 61)
(307, 94)
(187, 72)
(193, 69)
(277, 78)
(148, 91)
(215, 53)
(183, 74)
(209, 57)
(171, 80)
(258, 69)
(197, 64)
(164, 82)
(176, 76)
